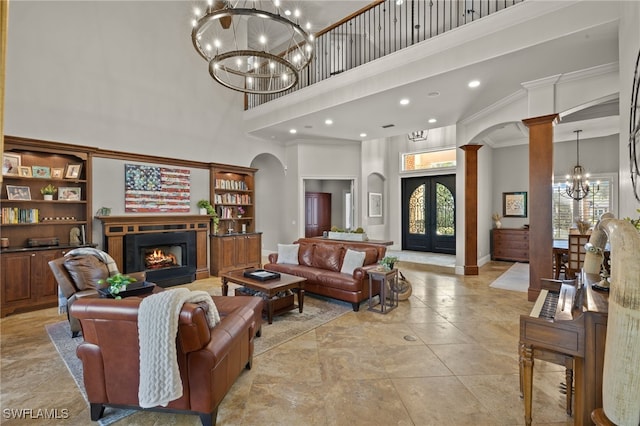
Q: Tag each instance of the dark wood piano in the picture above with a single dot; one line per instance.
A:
(569, 318)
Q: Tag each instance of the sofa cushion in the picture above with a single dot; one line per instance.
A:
(307, 272)
(340, 281)
(327, 256)
(86, 271)
(288, 254)
(352, 259)
(305, 254)
(371, 255)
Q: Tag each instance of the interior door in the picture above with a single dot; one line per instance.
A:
(317, 213)
(429, 214)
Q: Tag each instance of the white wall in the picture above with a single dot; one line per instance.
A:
(269, 203)
(108, 189)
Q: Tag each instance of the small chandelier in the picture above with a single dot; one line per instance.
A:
(250, 48)
(577, 183)
(419, 135)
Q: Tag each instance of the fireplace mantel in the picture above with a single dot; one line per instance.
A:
(116, 227)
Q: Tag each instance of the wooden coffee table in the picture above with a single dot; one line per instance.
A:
(270, 288)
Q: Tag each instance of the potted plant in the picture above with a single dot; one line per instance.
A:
(206, 208)
(117, 283)
(387, 262)
(48, 191)
(240, 211)
(496, 219)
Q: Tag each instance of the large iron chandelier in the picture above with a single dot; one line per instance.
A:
(577, 181)
(250, 46)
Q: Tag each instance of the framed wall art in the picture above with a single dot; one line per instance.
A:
(11, 164)
(514, 204)
(18, 192)
(375, 204)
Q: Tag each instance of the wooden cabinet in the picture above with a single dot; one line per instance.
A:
(232, 196)
(235, 251)
(27, 283)
(510, 244)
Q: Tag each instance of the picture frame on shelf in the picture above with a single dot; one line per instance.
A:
(15, 192)
(69, 193)
(11, 163)
(57, 172)
(73, 171)
(25, 171)
(375, 204)
(514, 204)
(43, 172)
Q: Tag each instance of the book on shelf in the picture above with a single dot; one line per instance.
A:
(13, 215)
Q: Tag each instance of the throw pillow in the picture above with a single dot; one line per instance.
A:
(288, 254)
(352, 259)
(86, 271)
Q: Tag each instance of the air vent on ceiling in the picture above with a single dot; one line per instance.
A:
(386, 126)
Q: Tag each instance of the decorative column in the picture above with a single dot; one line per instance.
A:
(540, 193)
(471, 209)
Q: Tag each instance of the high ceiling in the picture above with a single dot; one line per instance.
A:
(499, 76)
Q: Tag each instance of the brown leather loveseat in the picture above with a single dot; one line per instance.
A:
(209, 359)
(320, 262)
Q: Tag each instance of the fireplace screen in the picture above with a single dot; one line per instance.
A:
(162, 257)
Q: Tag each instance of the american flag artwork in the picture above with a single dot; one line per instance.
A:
(150, 189)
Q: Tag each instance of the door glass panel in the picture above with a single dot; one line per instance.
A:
(416, 211)
(445, 211)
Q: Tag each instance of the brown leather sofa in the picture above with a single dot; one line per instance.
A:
(320, 262)
(209, 359)
(78, 277)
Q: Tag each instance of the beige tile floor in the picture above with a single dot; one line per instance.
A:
(447, 356)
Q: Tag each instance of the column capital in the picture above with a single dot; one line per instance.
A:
(543, 119)
(470, 147)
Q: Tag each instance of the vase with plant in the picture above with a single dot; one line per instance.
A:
(388, 262)
(117, 284)
(206, 208)
(496, 220)
(48, 191)
(240, 211)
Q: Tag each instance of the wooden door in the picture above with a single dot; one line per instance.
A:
(16, 277)
(317, 213)
(254, 250)
(44, 284)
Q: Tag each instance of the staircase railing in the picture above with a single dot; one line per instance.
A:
(379, 29)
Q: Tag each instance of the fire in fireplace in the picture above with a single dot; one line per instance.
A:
(168, 258)
(162, 257)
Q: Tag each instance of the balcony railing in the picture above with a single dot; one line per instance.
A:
(382, 28)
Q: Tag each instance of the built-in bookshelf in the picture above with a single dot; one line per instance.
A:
(37, 229)
(232, 195)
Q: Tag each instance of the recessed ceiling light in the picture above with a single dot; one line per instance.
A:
(432, 120)
(404, 101)
(363, 135)
(293, 131)
(433, 94)
(328, 122)
(474, 83)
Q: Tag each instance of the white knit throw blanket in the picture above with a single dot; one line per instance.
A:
(158, 316)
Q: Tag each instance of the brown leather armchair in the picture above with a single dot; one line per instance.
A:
(209, 359)
(78, 277)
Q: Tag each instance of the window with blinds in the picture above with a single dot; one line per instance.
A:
(566, 210)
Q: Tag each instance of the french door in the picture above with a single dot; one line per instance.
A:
(429, 214)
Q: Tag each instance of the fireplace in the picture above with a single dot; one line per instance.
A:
(168, 258)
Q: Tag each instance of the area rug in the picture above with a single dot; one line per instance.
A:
(317, 311)
(515, 278)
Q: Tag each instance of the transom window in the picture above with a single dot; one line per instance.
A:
(425, 160)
